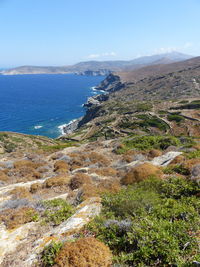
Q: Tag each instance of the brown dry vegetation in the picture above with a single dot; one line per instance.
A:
(106, 186)
(141, 173)
(21, 192)
(79, 179)
(98, 158)
(26, 163)
(188, 164)
(177, 160)
(104, 171)
(3, 176)
(16, 217)
(61, 166)
(155, 153)
(59, 180)
(35, 187)
(85, 252)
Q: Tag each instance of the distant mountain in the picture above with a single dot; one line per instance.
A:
(100, 67)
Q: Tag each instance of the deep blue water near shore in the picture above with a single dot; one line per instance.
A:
(39, 104)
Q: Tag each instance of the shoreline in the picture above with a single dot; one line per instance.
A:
(70, 127)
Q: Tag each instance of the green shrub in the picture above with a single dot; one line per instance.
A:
(153, 223)
(193, 154)
(149, 142)
(144, 107)
(152, 121)
(56, 211)
(178, 168)
(49, 253)
(175, 117)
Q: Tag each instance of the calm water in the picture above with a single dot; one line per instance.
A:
(39, 104)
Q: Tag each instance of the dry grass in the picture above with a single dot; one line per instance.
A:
(21, 192)
(98, 158)
(106, 186)
(59, 180)
(141, 173)
(85, 252)
(16, 217)
(26, 163)
(128, 155)
(104, 171)
(154, 153)
(179, 159)
(79, 179)
(190, 163)
(61, 166)
(3, 176)
(35, 187)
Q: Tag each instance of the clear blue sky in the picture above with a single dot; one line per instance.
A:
(61, 32)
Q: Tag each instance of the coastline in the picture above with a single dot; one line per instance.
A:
(70, 127)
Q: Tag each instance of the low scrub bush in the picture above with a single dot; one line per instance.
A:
(175, 117)
(49, 253)
(56, 211)
(148, 143)
(141, 173)
(78, 180)
(21, 192)
(152, 121)
(193, 154)
(84, 252)
(16, 217)
(3, 176)
(61, 166)
(59, 180)
(104, 171)
(153, 223)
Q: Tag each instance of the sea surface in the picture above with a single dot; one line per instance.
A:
(41, 104)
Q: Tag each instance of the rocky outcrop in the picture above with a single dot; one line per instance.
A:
(112, 83)
(71, 127)
(96, 100)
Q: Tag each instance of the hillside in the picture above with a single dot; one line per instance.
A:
(121, 190)
(99, 67)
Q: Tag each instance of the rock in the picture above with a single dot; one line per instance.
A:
(195, 173)
(70, 127)
(65, 158)
(165, 159)
(8, 164)
(10, 240)
(2, 150)
(86, 211)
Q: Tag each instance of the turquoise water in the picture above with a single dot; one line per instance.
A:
(39, 104)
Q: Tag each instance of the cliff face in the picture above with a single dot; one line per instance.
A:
(112, 83)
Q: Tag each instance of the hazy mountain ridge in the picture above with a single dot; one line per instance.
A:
(99, 67)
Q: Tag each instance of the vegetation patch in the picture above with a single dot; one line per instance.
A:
(154, 222)
(141, 173)
(152, 121)
(141, 107)
(16, 217)
(59, 180)
(148, 143)
(86, 251)
(56, 211)
(49, 253)
(175, 117)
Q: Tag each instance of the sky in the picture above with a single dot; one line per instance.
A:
(63, 32)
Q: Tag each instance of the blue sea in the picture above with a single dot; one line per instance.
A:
(40, 104)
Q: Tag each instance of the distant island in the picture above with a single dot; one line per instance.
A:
(102, 68)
